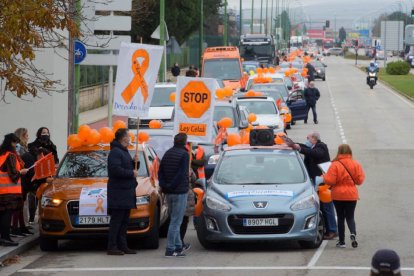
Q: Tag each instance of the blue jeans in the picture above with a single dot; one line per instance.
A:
(328, 212)
(177, 204)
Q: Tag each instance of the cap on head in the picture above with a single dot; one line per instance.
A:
(385, 261)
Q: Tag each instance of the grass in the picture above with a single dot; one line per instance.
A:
(404, 84)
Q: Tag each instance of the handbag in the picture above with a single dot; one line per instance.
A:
(348, 172)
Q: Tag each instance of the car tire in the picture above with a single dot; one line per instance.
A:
(152, 241)
(201, 235)
(47, 244)
(163, 232)
(319, 236)
(293, 123)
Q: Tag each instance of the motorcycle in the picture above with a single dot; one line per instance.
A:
(372, 78)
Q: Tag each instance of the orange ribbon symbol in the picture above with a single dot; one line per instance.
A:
(99, 203)
(138, 81)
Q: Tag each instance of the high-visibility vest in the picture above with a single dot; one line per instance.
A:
(6, 184)
(199, 156)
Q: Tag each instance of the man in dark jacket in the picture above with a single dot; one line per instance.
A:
(316, 152)
(311, 72)
(173, 177)
(175, 70)
(312, 95)
(122, 183)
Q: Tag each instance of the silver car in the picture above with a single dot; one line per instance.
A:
(260, 193)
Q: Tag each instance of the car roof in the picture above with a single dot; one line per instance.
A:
(256, 98)
(229, 102)
(276, 148)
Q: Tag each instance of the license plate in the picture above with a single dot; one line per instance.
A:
(260, 222)
(93, 220)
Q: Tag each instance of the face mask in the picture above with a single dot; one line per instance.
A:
(18, 147)
(308, 144)
(45, 138)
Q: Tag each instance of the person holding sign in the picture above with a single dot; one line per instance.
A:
(122, 183)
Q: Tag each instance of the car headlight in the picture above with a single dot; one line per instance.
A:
(306, 203)
(213, 159)
(142, 200)
(216, 204)
(50, 202)
(319, 71)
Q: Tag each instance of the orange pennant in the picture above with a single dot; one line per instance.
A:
(138, 81)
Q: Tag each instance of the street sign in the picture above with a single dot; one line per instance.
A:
(392, 35)
(80, 51)
(409, 35)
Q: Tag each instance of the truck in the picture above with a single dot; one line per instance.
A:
(327, 43)
(259, 47)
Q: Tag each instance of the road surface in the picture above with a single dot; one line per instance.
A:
(378, 126)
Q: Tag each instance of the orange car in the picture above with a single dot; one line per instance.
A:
(83, 170)
(224, 63)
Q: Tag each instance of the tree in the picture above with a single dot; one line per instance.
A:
(342, 34)
(182, 17)
(376, 30)
(25, 26)
(286, 26)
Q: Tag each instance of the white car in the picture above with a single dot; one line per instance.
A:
(161, 107)
(276, 78)
(266, 111)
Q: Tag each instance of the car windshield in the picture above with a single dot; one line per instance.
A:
(317, 64)
(224, 69)
(278, 80)
(160, 143)
(259, 168)
(280, 89)
(259, 107)
(273, 93)
(252, 51)
(162, 96)
(90, 164)
(224, 111)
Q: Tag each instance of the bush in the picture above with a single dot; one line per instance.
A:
(398, 68)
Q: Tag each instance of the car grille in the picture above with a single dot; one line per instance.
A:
(285, 224)
(53, 225)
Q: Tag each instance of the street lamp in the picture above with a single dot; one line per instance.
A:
(225, 39)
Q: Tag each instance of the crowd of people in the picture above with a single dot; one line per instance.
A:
(18, 202)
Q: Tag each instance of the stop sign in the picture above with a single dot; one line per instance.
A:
(195, 99)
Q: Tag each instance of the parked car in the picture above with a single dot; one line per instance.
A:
(335, 51)
(320, 70)
(60, 211)
(297, 105)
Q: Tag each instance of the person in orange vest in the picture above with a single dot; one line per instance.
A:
(11, 170)
(198, 163)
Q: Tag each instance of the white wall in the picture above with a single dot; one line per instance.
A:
(46, 110)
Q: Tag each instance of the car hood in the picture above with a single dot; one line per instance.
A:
(70, 188)
(159, 112)
(268, 120)
(283, 193)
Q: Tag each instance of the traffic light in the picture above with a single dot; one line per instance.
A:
(356, 42)
(327, 23)
(412, 13)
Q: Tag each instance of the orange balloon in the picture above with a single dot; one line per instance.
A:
(265, 70)
(225, 122)
(250, 93)
(220, 93)
(132, 136)
(325, 195)
(155, 124)
(272, 70)
(119, 124)
(172, 97)
(279, 138)
(245, 138)
(228, 92)
(249, 128)
(199, 205)
(94, 137)
(74, 141)
(143, 137)
(259, 70)
(84, 133)
(107, 135)
(233, 139)
(258, 94)
(252, 117)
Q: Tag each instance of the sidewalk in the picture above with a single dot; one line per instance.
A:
(24, 244)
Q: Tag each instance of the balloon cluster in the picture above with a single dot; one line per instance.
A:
(290, 72)
(155, 124)
(225, 92)
(252, 93)
(304, 72)
(262, 79)
(225, 122)
(89, 137)
(279, 138)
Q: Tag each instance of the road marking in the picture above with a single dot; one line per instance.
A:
(338, 118)
(200, 268)
(317, 254)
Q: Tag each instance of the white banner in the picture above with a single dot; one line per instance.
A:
(136, 75)
(93, 202)
(194, 108)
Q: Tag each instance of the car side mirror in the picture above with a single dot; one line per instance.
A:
(243, 89)
(289, 87)
(244, 124)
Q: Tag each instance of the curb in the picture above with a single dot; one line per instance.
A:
(24, 245)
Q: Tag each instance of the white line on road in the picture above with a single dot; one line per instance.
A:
(338, 118)
(317, 254)
(195, 268)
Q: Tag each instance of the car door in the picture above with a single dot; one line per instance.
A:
(297, 104)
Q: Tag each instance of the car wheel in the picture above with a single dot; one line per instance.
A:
(293, 123)
(47, 244)
(319, 235)
(164, 228)
(153, 240)
(324, 78)
(202, 233)
(288, 126)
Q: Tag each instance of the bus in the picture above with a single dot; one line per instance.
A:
(259, 47)
(223, 63)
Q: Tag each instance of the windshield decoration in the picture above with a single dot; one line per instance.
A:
(259, 193)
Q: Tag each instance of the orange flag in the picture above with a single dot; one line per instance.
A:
(44, 167)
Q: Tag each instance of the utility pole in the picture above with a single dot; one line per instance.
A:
(71, 76)
(251, 22)
(261, 14)
(225, 38)
(267, 16)
(271, 20)
(335, 29)
(241, 17)
(201, 35)
(162, 39)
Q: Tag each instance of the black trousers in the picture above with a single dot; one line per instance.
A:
(183, 227)
(5, 223)
(315, 116)
(345, 210)
(117, 236)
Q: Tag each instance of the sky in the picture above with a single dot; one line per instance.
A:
(347, 12)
